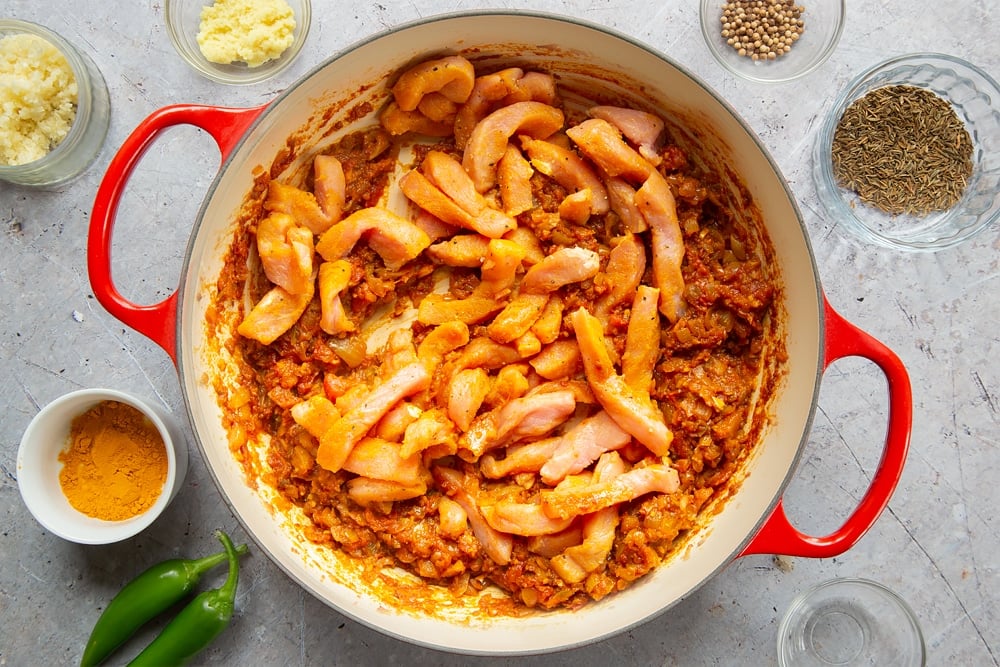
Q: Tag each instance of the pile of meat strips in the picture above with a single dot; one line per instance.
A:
(535, 374)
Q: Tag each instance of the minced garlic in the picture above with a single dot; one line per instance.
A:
(38, 96)
(249, 31)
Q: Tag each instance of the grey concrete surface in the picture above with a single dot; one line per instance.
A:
(937, 545)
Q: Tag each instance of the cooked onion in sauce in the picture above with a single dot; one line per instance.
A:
(537, 374)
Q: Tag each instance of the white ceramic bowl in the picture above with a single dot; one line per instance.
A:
(38, 468)
(824, 23)
(183, 18)
(83, 143)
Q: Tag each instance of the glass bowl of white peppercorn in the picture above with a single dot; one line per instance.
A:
(772, 41)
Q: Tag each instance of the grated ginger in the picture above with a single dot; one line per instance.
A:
(249, 31)
(38, 97)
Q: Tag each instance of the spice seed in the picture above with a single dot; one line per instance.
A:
(902, 149)
(762, 29)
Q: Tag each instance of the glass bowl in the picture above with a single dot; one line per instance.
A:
(847, 622)
(824, 23)
(81, 146)
(39, 467)
(975, 98)
(183, 18)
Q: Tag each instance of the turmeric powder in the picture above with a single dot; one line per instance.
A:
(116, 463)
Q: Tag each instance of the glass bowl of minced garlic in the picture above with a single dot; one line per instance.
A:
(772, 41)
(909, 156)
(55, 103)
(238, 41)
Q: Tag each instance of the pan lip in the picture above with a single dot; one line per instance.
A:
(189, 381)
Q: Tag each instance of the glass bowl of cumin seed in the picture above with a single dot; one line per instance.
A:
(909, 155)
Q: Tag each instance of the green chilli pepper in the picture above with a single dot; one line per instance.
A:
(198, 623)
(142, 599)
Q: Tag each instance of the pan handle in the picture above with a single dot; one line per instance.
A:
(778, 535)
(156, 321)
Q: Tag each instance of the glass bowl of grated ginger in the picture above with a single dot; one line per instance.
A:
(238, 41)
(98, 466)
(909, 156)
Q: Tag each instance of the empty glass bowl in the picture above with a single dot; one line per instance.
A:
(823, 25)
(183, 18)
(848, 622)
(975, 98)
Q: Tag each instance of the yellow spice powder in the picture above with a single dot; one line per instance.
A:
(115, 464)
(249, 31)
(38, 96)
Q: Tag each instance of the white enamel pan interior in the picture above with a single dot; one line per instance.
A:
(716, 133)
